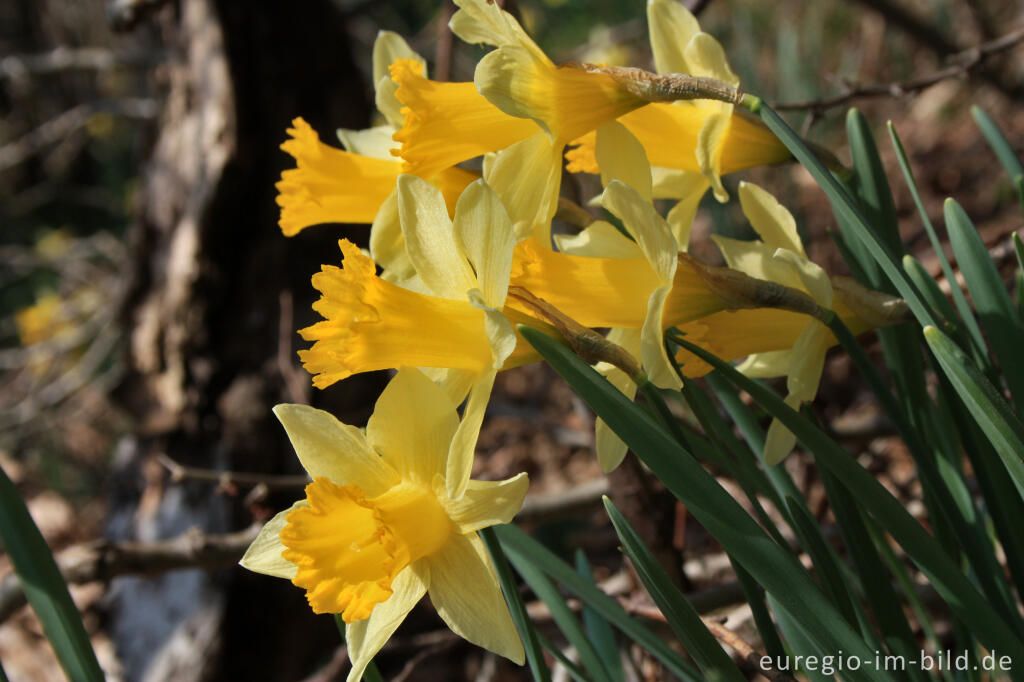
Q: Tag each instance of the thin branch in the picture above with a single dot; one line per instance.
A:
(105, 560)
(62, 59)
(963, 63)
(62, 125)
(232, 479)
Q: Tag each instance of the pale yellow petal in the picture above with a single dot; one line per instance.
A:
(610, 448)
(387, 245)
(487, 503)
(600, 239)
(465, 591)
(365, 638)
(680, 217)
(808, 361)
(526, 177)
(484, 22)
(430, 239)
(653, 354)
(621, 157)
(484, 231)
(455, 382)
(501, 335)
(706, 58)
(326, 447)
(673, 183)
(710, 142)
(770, 219)
(264, 554)
(779, 440)
(388, 48)
(374, 142)
(814, 279)
(463, 448)
(766, 365)
(756, 259)
(648, 228)
(671, 26)
(412, 426)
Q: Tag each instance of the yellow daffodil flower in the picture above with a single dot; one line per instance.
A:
(357, 185)
(726, 141)
(780, 342)
(453, 322)
(377, 528)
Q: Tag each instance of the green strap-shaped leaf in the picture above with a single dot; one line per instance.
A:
(771, 565)
(565, 619)
(1000, 145)
(991, 412)
(679, 614)
(534, 655)
(521, 548)
(44, 587)
(995, 309)
(598, 628)
(871, 496)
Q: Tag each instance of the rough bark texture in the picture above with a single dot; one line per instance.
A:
(210, 351)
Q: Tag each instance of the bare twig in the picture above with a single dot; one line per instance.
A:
(61, 59)
(296, 382)
(105, 560)
(71, 121)
(963, 63)
(443, 53)
(232, 479)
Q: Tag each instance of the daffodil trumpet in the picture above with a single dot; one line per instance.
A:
(377, 529)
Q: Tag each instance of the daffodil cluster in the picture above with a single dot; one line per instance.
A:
(459, 255)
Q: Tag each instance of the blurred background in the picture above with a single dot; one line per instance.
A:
(148, 301)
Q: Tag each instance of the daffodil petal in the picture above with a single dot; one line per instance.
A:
(418, 448)
(680, 217)
(455, 382)
(387, 245)
(484, 22)
(501, 335)
(326, 447)
(808, 361)
(766, 365)
(527, 176)
(814, 279)
(374, 142)
(648, 228)
(706, 58)
(710, 140)
(756, 259)
(779, 440)
(465, 591)
(611, 450)
(366, 637)
(653, 354)
(672, 27)
(770, 219)
(621, 157)
(264, 554)
(600, 239)
(484, 231)
(430, 240)
(463, 447)
(387, 48)
(487, 503)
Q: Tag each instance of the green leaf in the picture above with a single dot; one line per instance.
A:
(991, 300)
(871, 496)
(598, 629)
(771, 565)
(679, 614)
(522, 549)
(977, 345)
(847, 209)
(991, 412)
(1000, 145)
(44, 587)
(931, 291)
(565, 619)
(534, 655)
(870, 183)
